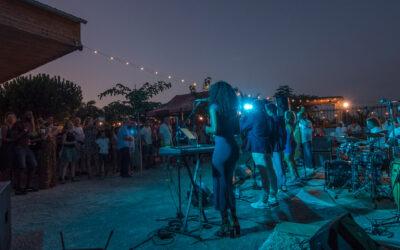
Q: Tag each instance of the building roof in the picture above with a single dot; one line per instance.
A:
(55, 11)
(178, 104)
(33, 34)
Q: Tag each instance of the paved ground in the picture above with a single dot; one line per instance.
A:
(87, 211)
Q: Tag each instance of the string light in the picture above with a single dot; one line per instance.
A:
(133, 64)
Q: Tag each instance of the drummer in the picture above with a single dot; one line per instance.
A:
(374, 127)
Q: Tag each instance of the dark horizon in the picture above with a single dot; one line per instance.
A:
(338, 48)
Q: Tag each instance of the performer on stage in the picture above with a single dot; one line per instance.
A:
(290, 146)
(224, 125)
(279, 131)
(258, 129)
(374, 127)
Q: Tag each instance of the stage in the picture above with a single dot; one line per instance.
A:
(87, 211)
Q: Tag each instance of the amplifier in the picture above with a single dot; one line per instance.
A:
(5, 216)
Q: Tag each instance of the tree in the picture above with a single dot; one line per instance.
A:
(42, 94)
(284, 90)
(89, 109)
(136, 101)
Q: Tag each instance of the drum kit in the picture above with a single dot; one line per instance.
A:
(363, 167)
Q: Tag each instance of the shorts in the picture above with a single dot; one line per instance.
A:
(25, 158)
(69, 154)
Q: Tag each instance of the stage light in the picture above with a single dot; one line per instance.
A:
(201, 118)
(111, 58)
(248, 106)
(95, 52)
(156, 73)
(141, 68)
(346, 105)
(169, 77)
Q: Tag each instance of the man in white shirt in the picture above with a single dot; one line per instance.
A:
(165, 132)
(341, 132)
(306, 131)
(147, 144)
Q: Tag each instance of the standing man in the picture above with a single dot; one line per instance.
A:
(147, 144)
(306, 131)
(165, 132)
(279, 132)
(80, 138)
(125, 138)
(259, 134)
(23, 132)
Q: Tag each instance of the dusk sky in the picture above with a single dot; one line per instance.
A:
(342, 47)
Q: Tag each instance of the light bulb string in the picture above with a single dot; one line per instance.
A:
(156, 74)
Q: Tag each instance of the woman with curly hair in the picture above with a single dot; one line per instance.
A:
(224, 125)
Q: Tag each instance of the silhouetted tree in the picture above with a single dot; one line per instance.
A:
(136, 101)
(89, 109)
(42, 94)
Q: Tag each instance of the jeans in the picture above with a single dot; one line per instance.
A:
(307, 154)
(224, 158)
(124, 161)
(25, 158)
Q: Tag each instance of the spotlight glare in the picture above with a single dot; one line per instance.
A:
(248, 106)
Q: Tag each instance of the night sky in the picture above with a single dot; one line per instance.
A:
(341, 47)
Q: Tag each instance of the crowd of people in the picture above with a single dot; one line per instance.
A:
(40, 153)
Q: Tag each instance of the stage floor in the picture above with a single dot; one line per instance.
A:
(86, 211)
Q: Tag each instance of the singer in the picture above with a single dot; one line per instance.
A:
(224, 125)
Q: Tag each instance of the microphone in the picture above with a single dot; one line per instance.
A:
(201, 100)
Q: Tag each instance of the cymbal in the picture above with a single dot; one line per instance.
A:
(375, 135)
(350, 138)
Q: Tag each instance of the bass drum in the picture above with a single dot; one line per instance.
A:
(337, 173)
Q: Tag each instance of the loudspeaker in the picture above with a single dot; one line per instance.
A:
(5, 215)
(342, 233)
(282, 102)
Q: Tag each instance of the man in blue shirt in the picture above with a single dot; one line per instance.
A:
(257, 128)
(125, 138)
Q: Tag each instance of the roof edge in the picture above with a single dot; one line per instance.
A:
(54, 10)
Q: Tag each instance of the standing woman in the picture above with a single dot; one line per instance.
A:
(290, 145)
(90, 146)
(224, 124)
(7, 145)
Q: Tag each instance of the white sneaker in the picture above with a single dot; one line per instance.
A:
(259, 205)
(272, 200)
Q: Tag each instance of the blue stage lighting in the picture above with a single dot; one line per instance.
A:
(248, 106)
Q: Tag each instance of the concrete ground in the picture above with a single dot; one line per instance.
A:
(87, 211)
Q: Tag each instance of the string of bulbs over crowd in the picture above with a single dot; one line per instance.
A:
(131, 63)
(155, 73)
